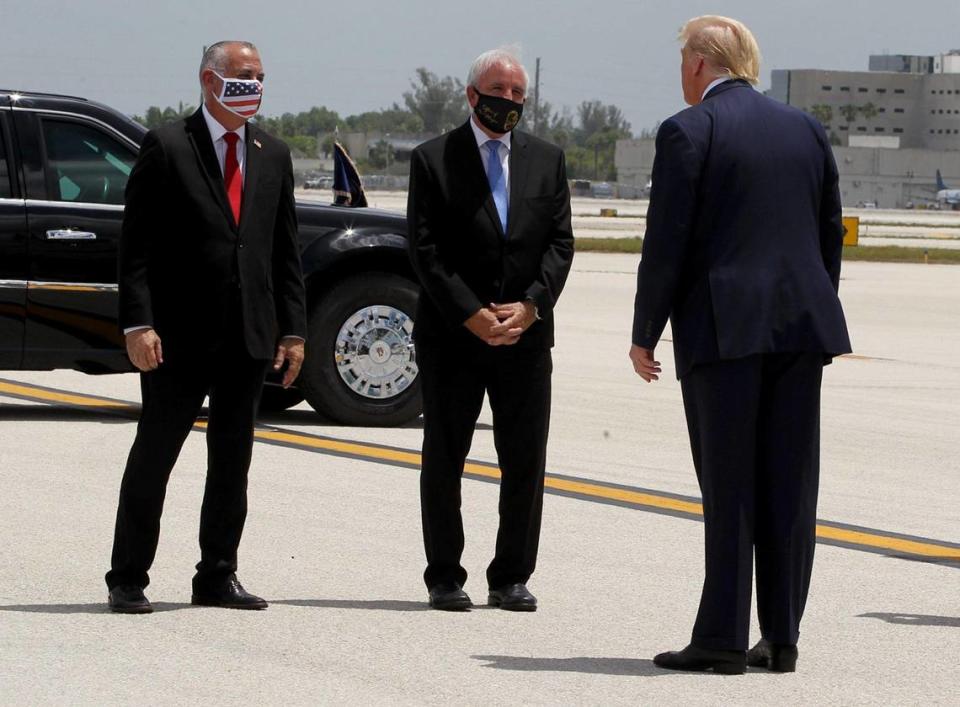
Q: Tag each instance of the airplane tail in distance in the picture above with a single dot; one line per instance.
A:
(940, 185)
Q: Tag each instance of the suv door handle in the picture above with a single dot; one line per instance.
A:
(68, 234)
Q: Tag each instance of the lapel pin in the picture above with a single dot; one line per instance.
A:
(257, 143)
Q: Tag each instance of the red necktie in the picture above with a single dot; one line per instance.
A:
(232, 178)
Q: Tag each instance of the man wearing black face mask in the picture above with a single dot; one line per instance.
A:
(210, 295)
(490, 239)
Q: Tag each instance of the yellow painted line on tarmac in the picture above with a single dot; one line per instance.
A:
(355, 449)
(580, 488)
(852, 537)
(637, 498)
(881, 542)
(52, 396)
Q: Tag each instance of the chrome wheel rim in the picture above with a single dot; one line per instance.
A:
(374, 353)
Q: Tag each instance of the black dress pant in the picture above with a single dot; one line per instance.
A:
(172, 397)
(754, 429)
(454, 380)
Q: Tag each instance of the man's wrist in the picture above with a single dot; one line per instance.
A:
(134, 329)
(533, 308)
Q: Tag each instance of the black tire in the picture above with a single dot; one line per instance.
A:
(395, 399)
(275, 398)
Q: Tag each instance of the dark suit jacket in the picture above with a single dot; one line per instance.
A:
(744, 235)
(182, 257)
(456, 242)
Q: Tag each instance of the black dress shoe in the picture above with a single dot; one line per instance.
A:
(701, 659)
(448, 596)
(229, 594)
(513, 597)
(777, 657)
(128, 599)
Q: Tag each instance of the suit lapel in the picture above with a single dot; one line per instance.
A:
(519, 168)
(476, 174)
(202, 145)
(251, 172)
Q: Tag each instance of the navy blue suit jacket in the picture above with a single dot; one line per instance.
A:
(744, 235)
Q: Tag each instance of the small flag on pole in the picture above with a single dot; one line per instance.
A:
(347, 187)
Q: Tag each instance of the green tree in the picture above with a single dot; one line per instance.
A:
(822, 112)
(595, 117)
(591, 144)
(156, 117)
(868, 111)
(380, 154)
(849, 112)
(555, 126)
(439, 103)
(389, 120)
(301, 145)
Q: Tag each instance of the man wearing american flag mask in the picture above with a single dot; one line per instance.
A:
(211, 295)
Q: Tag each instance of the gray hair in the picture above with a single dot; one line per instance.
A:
(507, 54)
(215, 56)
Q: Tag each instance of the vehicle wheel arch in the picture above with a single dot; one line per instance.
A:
(323, 272)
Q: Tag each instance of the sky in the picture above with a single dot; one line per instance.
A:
(360, 56)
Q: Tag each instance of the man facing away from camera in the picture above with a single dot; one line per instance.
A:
(742, 254)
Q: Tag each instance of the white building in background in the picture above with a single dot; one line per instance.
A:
(913, 98)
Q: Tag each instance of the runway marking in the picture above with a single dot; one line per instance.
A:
(40, 394)
(828, 532)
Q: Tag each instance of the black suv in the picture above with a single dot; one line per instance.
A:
(64, 163)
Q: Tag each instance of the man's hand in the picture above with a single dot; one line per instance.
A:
(643, 363)
(290, 349)
(481, 324)
(514, 319)
(144, 350)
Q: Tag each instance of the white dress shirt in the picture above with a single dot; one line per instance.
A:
(217, 132)
(503, 151)
(713, 84)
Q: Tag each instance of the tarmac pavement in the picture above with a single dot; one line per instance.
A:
(334, 542)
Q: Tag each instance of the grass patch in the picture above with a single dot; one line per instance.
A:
(609, 245)
(901, 254)
(872, 253)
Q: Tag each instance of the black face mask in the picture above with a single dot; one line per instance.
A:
(499, 115)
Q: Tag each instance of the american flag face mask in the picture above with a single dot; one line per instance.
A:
(240, 96)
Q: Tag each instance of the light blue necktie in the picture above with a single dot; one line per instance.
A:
(498, 183)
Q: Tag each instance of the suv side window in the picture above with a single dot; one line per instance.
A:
(5, 189)
(84, 164)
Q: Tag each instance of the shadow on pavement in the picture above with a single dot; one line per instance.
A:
(914, 619)
(99, 608)
(368, 604)
(311, 418)
(594, 666)
(26, 413)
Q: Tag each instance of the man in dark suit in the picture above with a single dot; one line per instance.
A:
(210, 293)
(742, 253)
(490, 239)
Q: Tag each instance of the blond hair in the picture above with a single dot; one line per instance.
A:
(727, 45)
